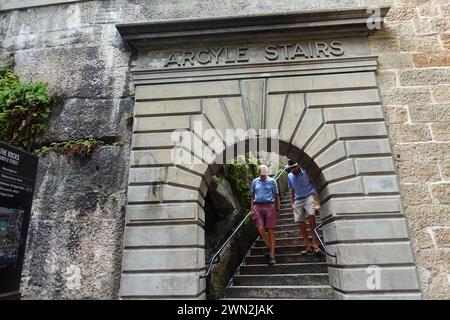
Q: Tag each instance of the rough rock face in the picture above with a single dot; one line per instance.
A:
(222, 208)
(75, 238)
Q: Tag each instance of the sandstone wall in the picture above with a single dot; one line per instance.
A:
(414, 77)
(75, 237)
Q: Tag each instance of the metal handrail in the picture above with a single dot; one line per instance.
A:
(216, 255)
(213, 261)
(323, 245)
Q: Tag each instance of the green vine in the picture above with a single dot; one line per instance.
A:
(24, 108)
(78, 147)
(240, 174)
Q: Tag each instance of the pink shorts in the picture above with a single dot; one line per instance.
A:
(265, 215)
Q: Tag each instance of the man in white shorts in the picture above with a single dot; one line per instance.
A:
(304, 202)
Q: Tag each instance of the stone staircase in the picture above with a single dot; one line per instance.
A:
(295, 276)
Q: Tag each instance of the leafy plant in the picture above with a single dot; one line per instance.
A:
(24, 108)
(78, 147)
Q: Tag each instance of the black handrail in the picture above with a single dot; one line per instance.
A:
(216, 255)
(213, 261)
(323, 245)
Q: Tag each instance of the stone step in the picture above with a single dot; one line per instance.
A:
(291, 268)
(289, 226)
(290, 220)
(285, 258)
(281, 279)
(259, 251)
(282, 242)
(295, 232)
(285, 292)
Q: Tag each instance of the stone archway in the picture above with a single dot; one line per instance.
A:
(324, 102)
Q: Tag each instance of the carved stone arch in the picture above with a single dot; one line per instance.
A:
(328, 113)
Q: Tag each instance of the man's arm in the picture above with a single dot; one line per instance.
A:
(317, 198)
(292, 198)
(251, 201)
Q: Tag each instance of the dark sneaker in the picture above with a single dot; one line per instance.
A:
(267, 254)
(272, 261)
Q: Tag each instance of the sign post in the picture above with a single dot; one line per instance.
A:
(17, 176)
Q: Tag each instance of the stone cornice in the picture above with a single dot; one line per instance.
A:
(6, 5)
(250, 28)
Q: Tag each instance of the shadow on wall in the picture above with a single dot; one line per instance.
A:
(226, 204)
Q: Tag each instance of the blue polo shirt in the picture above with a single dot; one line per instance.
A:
(301, 184)
(264, 190)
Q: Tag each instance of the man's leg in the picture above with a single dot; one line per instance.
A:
(312, 225)
(272, 242)
(263, 234)
(305, 234)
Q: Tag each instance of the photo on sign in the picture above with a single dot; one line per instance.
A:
(10, 227)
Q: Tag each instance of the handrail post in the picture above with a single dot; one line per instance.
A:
(323, 245)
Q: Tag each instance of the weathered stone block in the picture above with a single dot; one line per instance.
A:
(396, 114)
(383, 44)
(365, 230)
(163, 212)
(441, 93)
(361, 130)
(161, 123)
(340, 170)
(324, 138)
(418, 77)
(380, 184)
(410, 132)
(441, 131)
(415, 194)
(445, 39)
(171, 175)
(160, 193)
(361, 205)
(349, 187)
(406, 96)
(431, 59)
(418, 171)
(164, 235)
(361, 279)
(368, 147)
(332, 154)
(388, 61)
(400, 14)
(163, 259)
(441, 192)
(395, 252)
(321, 82)
(154, 108)
(353, 113)
(429, 113)
(342, 98)
(425, 43)
(153, 140)
(187, 90)
(294, 108)
(374, 165)
(162, 285)
(309, 125)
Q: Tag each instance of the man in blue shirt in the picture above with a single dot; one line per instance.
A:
(265, 206)
(304, 202)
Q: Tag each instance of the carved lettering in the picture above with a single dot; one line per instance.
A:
(201, 57)
(271, 53)
(231, 55)
(242, 55)
(172, 60)
(336, 47)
